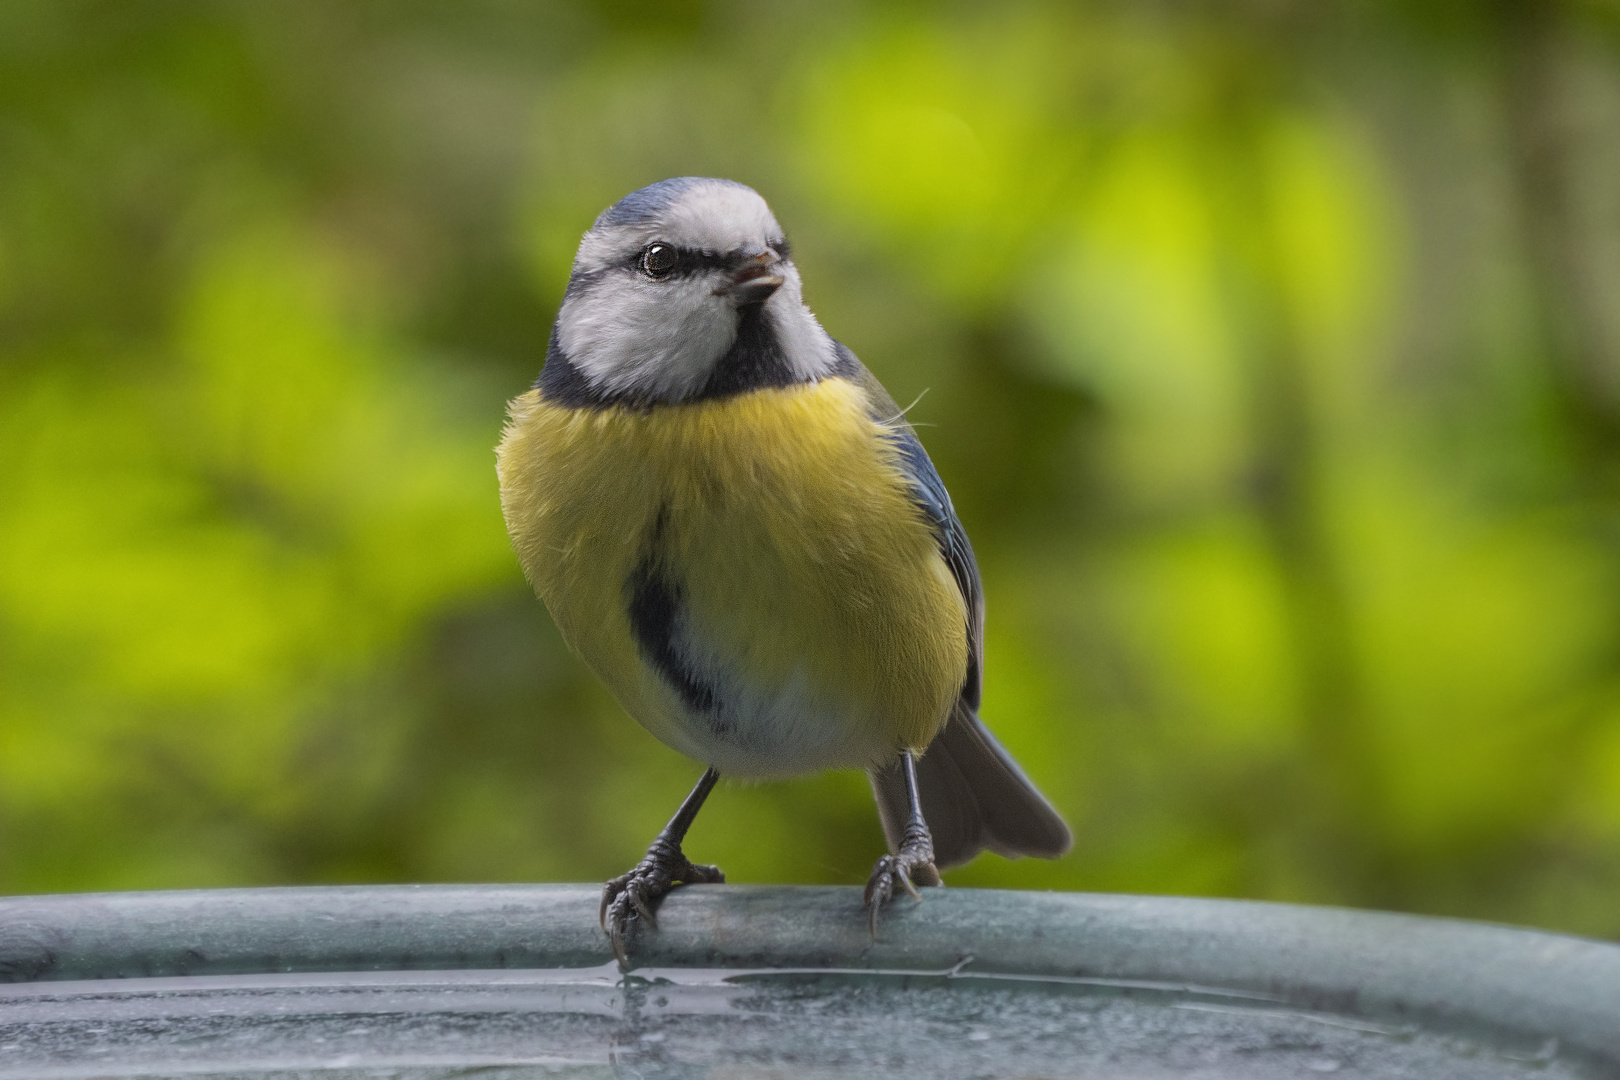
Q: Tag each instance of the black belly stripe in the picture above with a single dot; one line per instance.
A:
(654, 607)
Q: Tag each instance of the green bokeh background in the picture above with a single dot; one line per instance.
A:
(1271, 353)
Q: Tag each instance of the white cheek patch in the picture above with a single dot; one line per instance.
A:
(661, 340)
(631, 336)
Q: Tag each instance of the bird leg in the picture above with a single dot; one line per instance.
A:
(631, 895)
(913, 865)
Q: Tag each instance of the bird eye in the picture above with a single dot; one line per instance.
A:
(658, 260)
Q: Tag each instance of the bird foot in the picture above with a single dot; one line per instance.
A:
(631, 895)
(913, 866)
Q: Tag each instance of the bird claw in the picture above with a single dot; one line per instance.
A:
(631, 895)
(913, 866)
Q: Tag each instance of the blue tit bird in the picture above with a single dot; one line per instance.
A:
(735, 527)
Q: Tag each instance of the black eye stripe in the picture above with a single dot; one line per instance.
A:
(689, 261)
(692, 261)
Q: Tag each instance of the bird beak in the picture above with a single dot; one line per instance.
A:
(756, 280)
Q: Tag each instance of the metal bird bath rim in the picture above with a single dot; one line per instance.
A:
(786, 981)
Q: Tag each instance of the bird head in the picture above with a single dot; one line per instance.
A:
(674, 279)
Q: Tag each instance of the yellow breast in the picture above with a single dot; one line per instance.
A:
(811, 591)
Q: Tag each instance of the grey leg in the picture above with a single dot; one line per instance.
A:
(914, 864)
(630, 895)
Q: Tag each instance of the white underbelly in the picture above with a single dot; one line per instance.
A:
(765, 732)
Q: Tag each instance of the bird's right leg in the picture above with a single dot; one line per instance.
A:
(913, 864)
(631, 895)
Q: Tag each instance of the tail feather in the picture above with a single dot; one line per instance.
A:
(974, 796)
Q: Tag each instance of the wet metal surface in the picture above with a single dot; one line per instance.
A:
(588, 1022)
(744, 982)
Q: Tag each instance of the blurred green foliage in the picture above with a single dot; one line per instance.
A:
(1273, 358)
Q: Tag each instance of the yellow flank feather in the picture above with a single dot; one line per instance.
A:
(808, 579)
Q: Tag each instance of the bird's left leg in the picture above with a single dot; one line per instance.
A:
(631, 894)
(913, 865)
